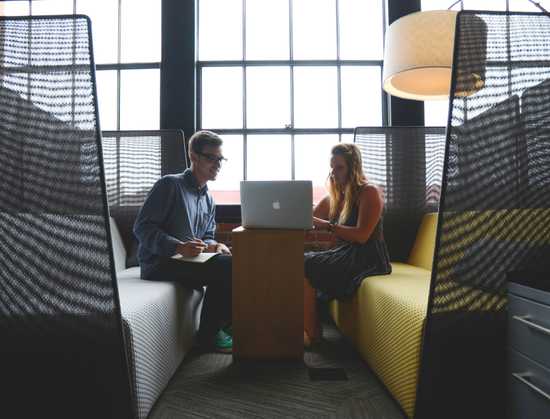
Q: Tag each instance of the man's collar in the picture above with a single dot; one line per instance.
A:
(191, 181)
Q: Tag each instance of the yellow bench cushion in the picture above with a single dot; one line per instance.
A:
(385, 320)
(386, 317)
(422, 253)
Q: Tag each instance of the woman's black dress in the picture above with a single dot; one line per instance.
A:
(338, 272)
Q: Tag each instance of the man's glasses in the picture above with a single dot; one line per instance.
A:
(213, 158)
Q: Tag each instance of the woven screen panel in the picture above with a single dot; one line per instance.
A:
(407, 164)
(496, 204)
(132, 166)
(495, 208)
(62, 345)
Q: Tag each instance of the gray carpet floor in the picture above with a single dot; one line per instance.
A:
(210, 385)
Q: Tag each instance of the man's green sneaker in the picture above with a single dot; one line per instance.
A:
(228, 329)
(223, 342)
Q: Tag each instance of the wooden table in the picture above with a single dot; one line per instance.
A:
(268, 294)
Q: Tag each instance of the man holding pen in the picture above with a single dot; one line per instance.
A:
(178, 217)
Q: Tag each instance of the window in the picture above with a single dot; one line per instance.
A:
(283, 81)
(496, 5)
(436, 111)
(127, 57)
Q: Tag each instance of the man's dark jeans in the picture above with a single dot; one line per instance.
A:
(216, 275)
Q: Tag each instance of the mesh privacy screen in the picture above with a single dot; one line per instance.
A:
(495, 209)
(62, 350)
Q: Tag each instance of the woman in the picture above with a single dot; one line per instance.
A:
(352, 211)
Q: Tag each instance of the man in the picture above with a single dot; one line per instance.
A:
(178, 216)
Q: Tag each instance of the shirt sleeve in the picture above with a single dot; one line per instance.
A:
(211, 227)
(151, 216)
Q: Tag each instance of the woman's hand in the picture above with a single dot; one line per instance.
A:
(218, 248)
(223, 249)
(320, 224)
(191, 248)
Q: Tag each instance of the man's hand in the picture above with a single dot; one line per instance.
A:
(191, 248)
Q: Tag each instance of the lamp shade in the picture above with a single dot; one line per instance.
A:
(418, 57)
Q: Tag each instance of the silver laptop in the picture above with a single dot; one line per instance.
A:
(277, 204)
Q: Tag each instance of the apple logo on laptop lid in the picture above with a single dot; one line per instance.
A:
(276, 205)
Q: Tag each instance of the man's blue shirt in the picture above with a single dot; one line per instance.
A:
(175, 210)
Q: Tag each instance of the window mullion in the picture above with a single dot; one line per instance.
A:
(338, 69)
(291, 67)
(245, 138)
(385, 101)
(119, 55)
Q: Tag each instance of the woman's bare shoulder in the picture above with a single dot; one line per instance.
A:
(369, 188)
(322, 207)
(370, 192)
(325, 199)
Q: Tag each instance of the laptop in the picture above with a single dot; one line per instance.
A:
(285, 204)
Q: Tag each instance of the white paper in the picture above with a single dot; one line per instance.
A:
(201, 258)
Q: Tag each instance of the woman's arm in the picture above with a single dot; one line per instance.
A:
(321, 213)
(370, 211)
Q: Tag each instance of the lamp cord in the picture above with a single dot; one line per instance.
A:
(454, 4)
(537, 5)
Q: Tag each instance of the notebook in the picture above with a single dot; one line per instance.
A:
(201, 258)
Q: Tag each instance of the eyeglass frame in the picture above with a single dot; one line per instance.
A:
(211, 157)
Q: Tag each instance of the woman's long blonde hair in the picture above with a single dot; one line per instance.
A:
(349, 192)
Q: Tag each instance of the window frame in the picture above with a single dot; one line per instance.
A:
(290, 64)
(118, 66)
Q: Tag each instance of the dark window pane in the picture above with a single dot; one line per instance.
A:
(361, 35)
(314, 29)
(435, 113)
(346, 138)
(139, 99)
(315, 97)
(106, 81)
(225, 188)
(268, 97)
(312, 153)
(14, 8)
(222, 97)
(141, 30)
(52, 7)
(268, 157)
(527, 6)
(104, 17)
(487, 4)
(433, 5)
(220, 30)
(267, 34)
(361, 96)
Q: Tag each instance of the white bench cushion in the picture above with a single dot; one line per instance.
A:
(160, 320)
(119, 252)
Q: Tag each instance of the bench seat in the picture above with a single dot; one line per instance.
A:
(159, 320)
(386, 317)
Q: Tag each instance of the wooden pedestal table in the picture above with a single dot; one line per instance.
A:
(268, 294)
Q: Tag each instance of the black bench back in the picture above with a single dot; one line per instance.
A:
(407, 164)
(134, 161)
